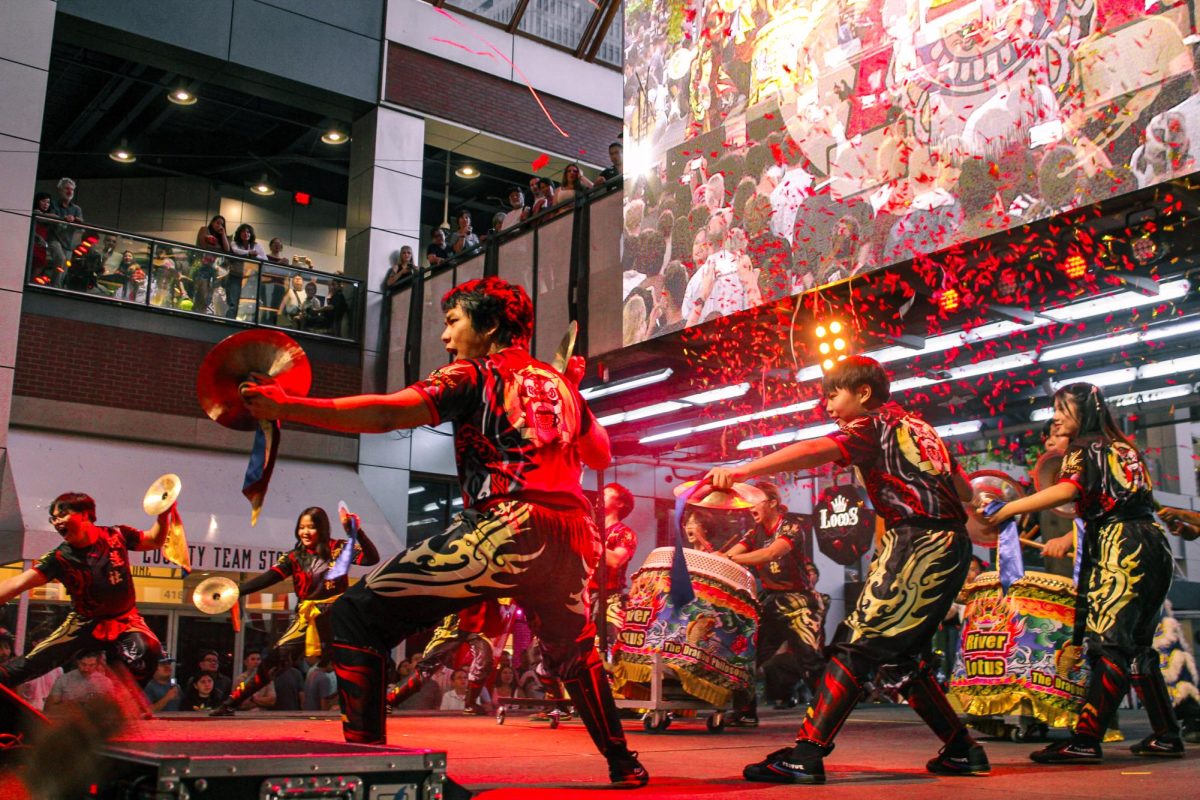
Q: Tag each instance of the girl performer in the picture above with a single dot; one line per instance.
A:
(1125, 573)
(306, 564)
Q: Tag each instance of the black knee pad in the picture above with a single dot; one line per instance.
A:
(139, 653)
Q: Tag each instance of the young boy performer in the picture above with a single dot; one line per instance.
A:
(915, 574)
(93, 564)
(1125, 572)
(522, 433)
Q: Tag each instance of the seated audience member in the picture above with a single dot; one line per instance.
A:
(506, 682)
(517, 210)
(202, 695)
(289, 688)
(455, 698)
(275, 252)
(209, 663)
(264, 698)
(88, 681)
(616, 154)
(162, 692)
(401, 267)
(464, 237)
(437, 251)
(320, 686)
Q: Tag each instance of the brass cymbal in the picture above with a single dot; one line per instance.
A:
(566, 347)
(741, 497)
(239, 357)
(215, 595)
(162, 494)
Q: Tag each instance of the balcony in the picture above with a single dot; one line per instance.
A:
(165, 277)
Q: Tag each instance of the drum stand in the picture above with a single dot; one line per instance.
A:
(659, 710)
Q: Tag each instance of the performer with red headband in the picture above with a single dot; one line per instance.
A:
(93, 564)
(307, 564)
(522, 434)
(918, 569)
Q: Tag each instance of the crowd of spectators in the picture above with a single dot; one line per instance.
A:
(212, 278)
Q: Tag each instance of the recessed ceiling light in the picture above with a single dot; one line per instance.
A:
(334, 136)
(467, 171)
(181, 96)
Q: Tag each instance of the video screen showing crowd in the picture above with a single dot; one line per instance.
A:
(527, 536)
(780, 146)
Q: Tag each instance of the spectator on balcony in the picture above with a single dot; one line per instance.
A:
(437, 252)
(244, 244)
(288, 314)
(276, 256)
(517, 210)
(211, 237)
(573, 182)
(310, 309)
(39, 256)
(401, 267)
(63, 238)
(497, 224)
(545, 196)
(131, 275)
(535, 192)
(616, 154)
(464, 237)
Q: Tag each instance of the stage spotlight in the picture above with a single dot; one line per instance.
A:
(832, 346)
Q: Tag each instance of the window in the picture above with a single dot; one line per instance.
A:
(432, 501)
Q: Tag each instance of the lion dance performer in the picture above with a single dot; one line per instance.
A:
(774, 549)
(93, 564)
(620, 543)
(522, 435)
(306, 564)
(919, 489)
(1124, 575)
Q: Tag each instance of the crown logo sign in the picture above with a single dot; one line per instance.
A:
(839, 504)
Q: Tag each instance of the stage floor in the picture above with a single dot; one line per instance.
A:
(881, 752)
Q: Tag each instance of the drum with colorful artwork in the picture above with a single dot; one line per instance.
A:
(708, 644)
(1010, 653)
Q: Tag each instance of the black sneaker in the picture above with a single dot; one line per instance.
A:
(779, 767)
(222, 711)
(625, 771)
(974, 762)
(1070, 751)
(1166, 746)
(741, 721)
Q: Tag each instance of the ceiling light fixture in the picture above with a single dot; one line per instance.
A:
(122, 154)
(467, 171)
(181, 96)
(666, 407)
(263, 188)
(636, 382)
(1131, 399)
(334, 136)
(803, 434)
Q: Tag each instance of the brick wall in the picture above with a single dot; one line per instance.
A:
(63, 359)
(426, 83)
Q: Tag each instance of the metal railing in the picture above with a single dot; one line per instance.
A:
(132, 270)
(567, 258)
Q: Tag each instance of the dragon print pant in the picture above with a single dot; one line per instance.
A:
(1131, 568)
(125, 640)
(790, 617)
(916, 573)
(540, 557)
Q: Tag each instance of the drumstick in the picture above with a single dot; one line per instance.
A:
(1041, 546)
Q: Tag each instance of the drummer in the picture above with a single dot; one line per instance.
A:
(918, 568)
(774, 548)
(306, 564)
(93, 564)
(620, 543)
(1048, 524)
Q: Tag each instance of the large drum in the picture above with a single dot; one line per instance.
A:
(1009, 653)
(707, 644)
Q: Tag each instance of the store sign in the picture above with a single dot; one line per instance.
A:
(218, 557)
(843, 524)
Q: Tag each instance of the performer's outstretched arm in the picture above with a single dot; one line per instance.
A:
(1051, 496)
(28, 579)
(369, 556)
(364, 413)
(801, 455)
(154, 538)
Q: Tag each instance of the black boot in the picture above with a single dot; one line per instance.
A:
(594, 703)
(402, 691)
(1106, 686)
(960, 755)
(837, 694)
(361, 675)
(1151, 689)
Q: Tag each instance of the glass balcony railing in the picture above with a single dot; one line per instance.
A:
(125, 268)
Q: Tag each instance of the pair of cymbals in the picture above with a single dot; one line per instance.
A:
(740, 497)
(238, 359)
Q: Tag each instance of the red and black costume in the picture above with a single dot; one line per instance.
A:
(1125, 573)
(310, 630)
(526, 532)
(918, 568)
(105, 615)
(790, 609)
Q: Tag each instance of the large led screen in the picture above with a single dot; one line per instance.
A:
(776, 145)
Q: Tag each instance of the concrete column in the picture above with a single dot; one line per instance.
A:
(384, 214)
(26, 36)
